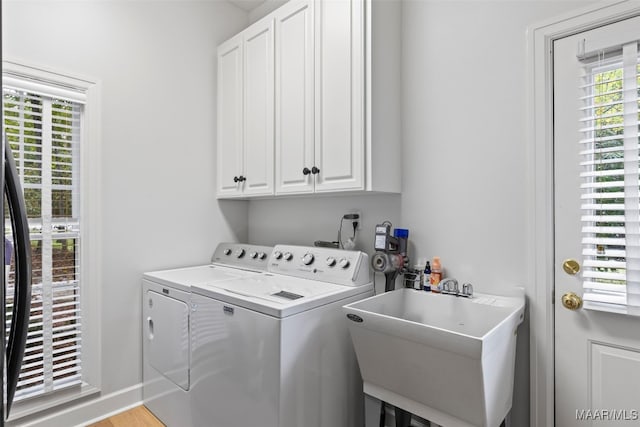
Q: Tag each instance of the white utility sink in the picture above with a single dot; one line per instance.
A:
(447, 359)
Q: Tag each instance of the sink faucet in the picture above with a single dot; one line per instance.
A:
(450, 287)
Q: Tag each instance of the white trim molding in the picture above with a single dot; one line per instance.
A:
(540, 38)
(89, 412)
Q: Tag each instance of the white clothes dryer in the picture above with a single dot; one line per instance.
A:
(273, 350)
(166, 311)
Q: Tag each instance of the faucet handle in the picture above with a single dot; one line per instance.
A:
(449, 286)
(467, 290)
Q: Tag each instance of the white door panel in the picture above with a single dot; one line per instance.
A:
(597, 354)
(230, 125)
(258, 109)
(339, 142)
(294, 97)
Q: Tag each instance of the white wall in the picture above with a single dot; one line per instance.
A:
(157, 64)
(303, 220)
(465, 109)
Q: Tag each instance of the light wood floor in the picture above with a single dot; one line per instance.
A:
(136, 417)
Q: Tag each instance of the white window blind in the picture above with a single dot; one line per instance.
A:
(610, 179)
(43, 131)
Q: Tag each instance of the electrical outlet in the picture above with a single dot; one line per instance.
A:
(359, 212)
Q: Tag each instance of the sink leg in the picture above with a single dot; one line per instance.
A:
(403, 418)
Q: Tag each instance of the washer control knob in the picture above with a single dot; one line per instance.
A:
(288, 256)
(239, 253)
(253, 254)
(227, 251)
(307, 258)
(277, 255)
(261, 255)
(331, 261)
(344, 263)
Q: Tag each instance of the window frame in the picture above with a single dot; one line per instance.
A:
(597, 295)
(90, 230)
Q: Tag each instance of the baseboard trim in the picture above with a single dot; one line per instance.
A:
(87, 412)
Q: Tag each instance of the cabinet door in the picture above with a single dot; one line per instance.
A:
(294, 97)
(339, 141)
(258, 109)
(230, 127)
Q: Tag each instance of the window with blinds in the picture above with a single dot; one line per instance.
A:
(610, 178)
(44, 134)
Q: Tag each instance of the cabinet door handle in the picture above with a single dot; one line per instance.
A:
(315, 170)
(236, 179)
(242, 178)
(306, 171)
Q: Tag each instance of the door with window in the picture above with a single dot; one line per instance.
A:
(597, 226)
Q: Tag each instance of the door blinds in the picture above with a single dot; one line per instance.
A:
(43, 130)
(610, 178)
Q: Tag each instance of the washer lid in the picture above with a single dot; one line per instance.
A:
(277, 295)
(184, 278)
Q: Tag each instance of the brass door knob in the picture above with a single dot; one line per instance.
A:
(571, 266)
(571, 301)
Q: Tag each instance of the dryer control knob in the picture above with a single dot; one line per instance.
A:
(331, 261)
(277, 254)
(288, 256)
(262, 255)
(227, 251)
(253, 255)
(307, 258)
(239, 253)
(344, 263)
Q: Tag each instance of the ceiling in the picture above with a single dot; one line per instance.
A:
(247, 4)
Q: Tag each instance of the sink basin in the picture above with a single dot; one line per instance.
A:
(447, 359)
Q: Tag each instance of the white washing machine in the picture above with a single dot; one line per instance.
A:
(273, 350)
(166, 311)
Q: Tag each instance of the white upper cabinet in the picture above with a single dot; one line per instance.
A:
(335, 116)
(339, 95)
(294, 98)
(245, 113)
(258, 109)
(230, 128)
